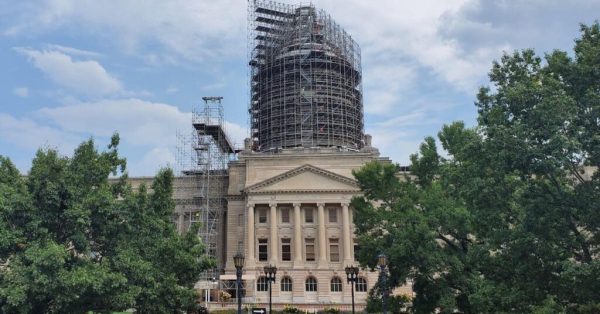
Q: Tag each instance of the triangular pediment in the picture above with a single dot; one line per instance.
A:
(305, 178)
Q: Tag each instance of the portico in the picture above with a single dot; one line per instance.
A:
(300, 230)
(296, 215)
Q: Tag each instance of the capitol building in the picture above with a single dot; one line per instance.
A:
(283, 199)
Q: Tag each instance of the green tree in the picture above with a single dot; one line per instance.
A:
(71, 241)
(509, 220)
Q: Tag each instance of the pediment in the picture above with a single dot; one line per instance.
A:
(305, 178)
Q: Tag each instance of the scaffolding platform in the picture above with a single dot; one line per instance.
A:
(218, 135)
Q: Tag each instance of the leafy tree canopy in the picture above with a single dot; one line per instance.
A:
(508, 219)
(72, 242)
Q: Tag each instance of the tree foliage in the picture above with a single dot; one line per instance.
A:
(72, 241)
(509, 220)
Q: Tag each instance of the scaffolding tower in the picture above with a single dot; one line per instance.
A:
(203, 155)
(305, 79)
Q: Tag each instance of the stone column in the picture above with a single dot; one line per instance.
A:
(251, 261)
(346, 237)
(274, 241)
(322, 236)
(297, 236)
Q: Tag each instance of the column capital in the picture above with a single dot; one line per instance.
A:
(273, 204)
(297, 204)
(345, 204)
(250, 205)
(320, 204)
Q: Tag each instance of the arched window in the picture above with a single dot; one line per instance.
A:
(311, 284)
(262, 284)
(286, 283)
(361, 285)
(336, 284)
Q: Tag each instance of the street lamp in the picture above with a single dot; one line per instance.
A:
(238, 261)
(382, 262)
(352, 276)
(270, 271)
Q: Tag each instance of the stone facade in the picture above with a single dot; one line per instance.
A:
(291, 209)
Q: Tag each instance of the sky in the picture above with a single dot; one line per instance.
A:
(79, 69)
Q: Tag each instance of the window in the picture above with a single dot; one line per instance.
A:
(286, 283)
(262, 216)
(285, 215)
(240, 220)
(311, 284)
(308, 215)
(263, 249)
(286, 250)
(336, 284)
(334, 250)
(361, 285)
(332, 215)
(310, 249)
(262, 284)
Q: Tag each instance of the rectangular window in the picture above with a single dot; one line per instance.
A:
(262, 216)
(332, 215)
(334, 250)
(308, 215)
(263, 248)
(240, 220)
(285, 215)
(286, 249)
(310, 249)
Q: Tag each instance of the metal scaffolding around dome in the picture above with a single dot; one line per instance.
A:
(305, 79)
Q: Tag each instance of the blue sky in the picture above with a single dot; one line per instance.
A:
(75, 69)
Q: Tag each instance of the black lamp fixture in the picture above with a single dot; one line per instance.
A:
(270, 272)
(238, 261)
(352, 277)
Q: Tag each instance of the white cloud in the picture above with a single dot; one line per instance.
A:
(152, 161)
(85, 77)
(386, 84)
(143, 126)
(193, 30)
(394, 142)
(140, 124)
(74, 51)
(401, 31)
(236, 133)
(29, 134)
(21, 92)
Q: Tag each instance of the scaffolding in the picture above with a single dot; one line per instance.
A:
(203, 154)
(305, 79)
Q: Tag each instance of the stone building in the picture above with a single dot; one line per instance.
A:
(284, 199)
(291, 209)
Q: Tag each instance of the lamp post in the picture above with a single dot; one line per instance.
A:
(382, 262)
(238, 261)
(270, 271)
(352, 276)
